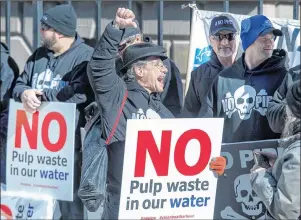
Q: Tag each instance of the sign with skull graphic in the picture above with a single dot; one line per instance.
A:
(235, 198)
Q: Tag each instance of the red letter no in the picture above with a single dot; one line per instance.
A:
(160, 159)
(205, 148)
(62, 133)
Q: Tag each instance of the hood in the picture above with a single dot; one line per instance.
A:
(214, 61)
(4, 48)
(271, 65)
(78, 40)
(286, 142)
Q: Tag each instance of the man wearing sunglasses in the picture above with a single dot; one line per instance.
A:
(222, 37)
(241, 93)
(56, 72)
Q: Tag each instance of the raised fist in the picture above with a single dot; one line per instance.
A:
(124, 18)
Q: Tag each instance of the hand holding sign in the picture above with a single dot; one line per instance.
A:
(218, 165)
(30, 100)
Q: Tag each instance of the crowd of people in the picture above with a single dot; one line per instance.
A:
(126, 76)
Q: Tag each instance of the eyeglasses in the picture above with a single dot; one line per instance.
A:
(130, 41)
(45, 27)
(156, 63)
(220, 37)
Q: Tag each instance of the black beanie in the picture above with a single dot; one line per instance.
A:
(61, 18)
(293, 98)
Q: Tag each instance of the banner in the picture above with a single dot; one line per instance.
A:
(200, 50)
(23, 205)
(235, 198)
(40, 150)
(166, 173)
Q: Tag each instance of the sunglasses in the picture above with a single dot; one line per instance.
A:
(220, 37)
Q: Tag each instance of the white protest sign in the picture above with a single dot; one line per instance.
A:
(40, 149)
(200, 49)
(166, 168)
(23, 205)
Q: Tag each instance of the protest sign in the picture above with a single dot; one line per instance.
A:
(200, 49)
(40, 150)
(235, 198)
(23, 205)
(166, 168)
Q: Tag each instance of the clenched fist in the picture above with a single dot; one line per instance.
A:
(124, 18)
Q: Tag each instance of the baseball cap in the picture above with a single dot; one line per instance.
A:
(222, 23)
(255, 26)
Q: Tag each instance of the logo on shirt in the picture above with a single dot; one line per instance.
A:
(45, 80)
(244, 101)
(201, 56)
(150, 114)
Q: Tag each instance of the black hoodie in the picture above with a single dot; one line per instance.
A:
(62, 78)
(241, 97)
(110, 89)
(200, 82)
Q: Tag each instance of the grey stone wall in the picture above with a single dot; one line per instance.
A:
(176, 25)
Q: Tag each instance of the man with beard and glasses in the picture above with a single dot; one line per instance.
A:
(240, 94)
(56, 72)
(279, 186)
(222, 36)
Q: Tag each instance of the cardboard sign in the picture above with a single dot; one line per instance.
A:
(239, 201)
(166, 172)
(40, 149)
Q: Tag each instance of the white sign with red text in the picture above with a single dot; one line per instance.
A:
(40, 150)
(166, 171)
(23, 205)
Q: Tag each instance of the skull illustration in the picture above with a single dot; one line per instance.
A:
(250, 202)
(244, 101)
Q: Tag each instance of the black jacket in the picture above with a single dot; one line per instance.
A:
(62, 78)
(110, 89)
(9, 72)
(200, 82)
(276, 109)
(241, 97)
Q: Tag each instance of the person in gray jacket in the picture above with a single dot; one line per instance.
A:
(56, 72)
(279, 186)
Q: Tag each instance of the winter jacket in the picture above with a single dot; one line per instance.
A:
(62, 78)
(276, 108)
(9, 71)
(241, 97)
(200, 82)
(279, 186)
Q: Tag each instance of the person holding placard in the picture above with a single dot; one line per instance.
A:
(56, 72)
(278, 186)
(136, 96)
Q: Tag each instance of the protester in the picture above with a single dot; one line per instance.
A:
(9, 72)
(276, 109)
(222, 36)
(279, 186)
(56, 72)
(133, 97)
(240, 94)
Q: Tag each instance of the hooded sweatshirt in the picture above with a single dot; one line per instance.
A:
(110, 92)
(201, 79)
(241, 97)
(61, 78)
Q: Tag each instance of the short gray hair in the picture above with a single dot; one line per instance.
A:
(130, 73)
